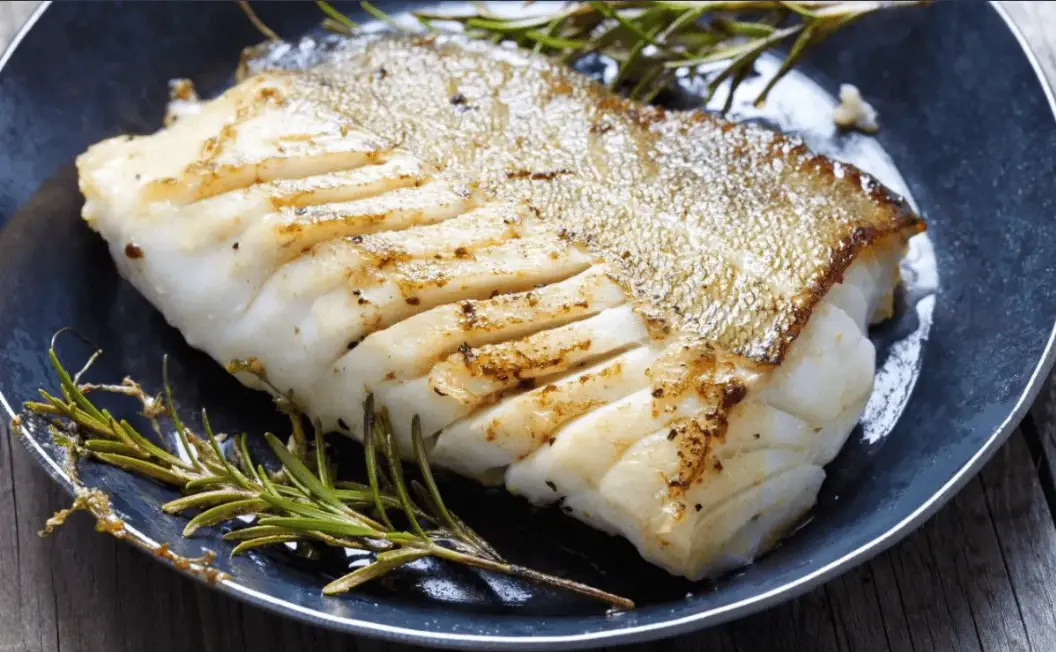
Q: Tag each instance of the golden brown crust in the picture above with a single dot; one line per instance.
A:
(729, 232)
(696, 370)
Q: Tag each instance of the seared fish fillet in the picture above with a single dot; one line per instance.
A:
(657, 320)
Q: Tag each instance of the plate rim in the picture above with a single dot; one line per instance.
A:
(616, 635)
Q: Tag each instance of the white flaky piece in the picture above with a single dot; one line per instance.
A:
(265, 224)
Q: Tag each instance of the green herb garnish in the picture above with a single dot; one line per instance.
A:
(653, 42)
(301, 503)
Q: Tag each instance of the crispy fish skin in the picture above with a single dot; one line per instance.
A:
(732, 232)
(656, 320)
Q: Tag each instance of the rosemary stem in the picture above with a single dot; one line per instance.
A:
(520, 571)
(170, 408)
(257, 22)
(299, 504)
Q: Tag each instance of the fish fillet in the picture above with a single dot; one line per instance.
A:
(655, 320)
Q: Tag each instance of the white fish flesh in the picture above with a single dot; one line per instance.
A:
(656, 320)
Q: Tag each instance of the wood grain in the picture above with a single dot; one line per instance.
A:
(981, 575)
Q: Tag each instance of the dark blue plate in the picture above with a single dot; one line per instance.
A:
(967, 133)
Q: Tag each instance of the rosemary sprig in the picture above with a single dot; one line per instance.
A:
(257, 22)
(336, 17)
(302, 504)
(651, 42)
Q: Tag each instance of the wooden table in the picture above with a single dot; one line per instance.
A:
(981, 575)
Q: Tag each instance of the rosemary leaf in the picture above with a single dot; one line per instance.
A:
(364, 498)
(739, 76)
(307, 510)
(284, 489)
(224, 512)
(114, 430)
(607, 11)
(322, 464)
(802, 42)
(296, 469)
(111, 446)
(469, 536)
(170, 410)
(142, 467)
(370, 455)
(432, 16)
(254, 531)
(458, 531)
(351, 486)
(43, 408)
(737, 52)
(552, 29)
(382, 565)
(69, 387)
(205, 481)
(380, 15)
(629, 62)
(202, 499)
(647, 83)
(739, 28)
(800, 8)
(507, 26)
(235, 475)
(685, 18)
(331, 25)
(396, 471)
(78, 416)
(245, 460)
(418, 446)
(257, 22)
(150, 447)
(260, 542)
(269, 487)
(327, 526)
(336, 15)
(554, 42)
(295, 488)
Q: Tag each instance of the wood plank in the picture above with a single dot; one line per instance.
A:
(969, 561)
(221, 621)
(788, 626)
(1033, 577)
(1024, 527)
(29, 617)
(867, 608)
(169, 615)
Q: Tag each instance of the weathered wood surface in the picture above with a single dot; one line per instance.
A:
(981, 575)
